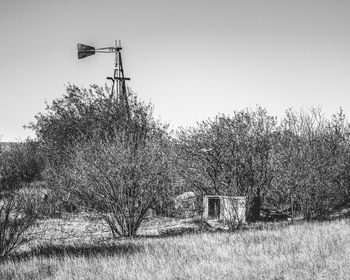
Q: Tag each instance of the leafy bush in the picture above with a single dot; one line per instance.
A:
(21, 163)
(84, 114)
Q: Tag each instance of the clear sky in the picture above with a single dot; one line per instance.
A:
(191, 58)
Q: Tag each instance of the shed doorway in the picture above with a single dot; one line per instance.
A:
(213, 208)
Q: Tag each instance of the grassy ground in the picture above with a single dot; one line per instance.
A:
(305, 251)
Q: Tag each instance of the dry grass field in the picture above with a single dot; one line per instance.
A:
(304, 251)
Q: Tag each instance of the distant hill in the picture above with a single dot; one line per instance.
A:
(7, 145)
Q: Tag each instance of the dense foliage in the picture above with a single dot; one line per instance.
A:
(231, 155)
(19, 208)
(84, 114)
(20, 163)
(106, 156)
(299, 164)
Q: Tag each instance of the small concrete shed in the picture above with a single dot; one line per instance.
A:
(219, 207)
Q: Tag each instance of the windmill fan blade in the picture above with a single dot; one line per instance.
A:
(84, 51)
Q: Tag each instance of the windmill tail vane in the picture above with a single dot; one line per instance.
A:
(118, 79)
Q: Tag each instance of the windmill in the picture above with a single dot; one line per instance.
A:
(118, 79)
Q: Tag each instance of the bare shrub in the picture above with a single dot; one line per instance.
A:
(116, 182)
(18, 213)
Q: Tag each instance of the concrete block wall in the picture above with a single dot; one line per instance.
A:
(230, 207)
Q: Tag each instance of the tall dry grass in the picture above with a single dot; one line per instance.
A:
(307, 251)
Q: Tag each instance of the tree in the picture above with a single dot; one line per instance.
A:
(18, 214)
(112, 158)
(19, 209)
(312, 162)
(20, 163)
(83, 114)
(231, 155)
(119, 183)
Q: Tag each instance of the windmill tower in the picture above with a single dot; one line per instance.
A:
(118, 79)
